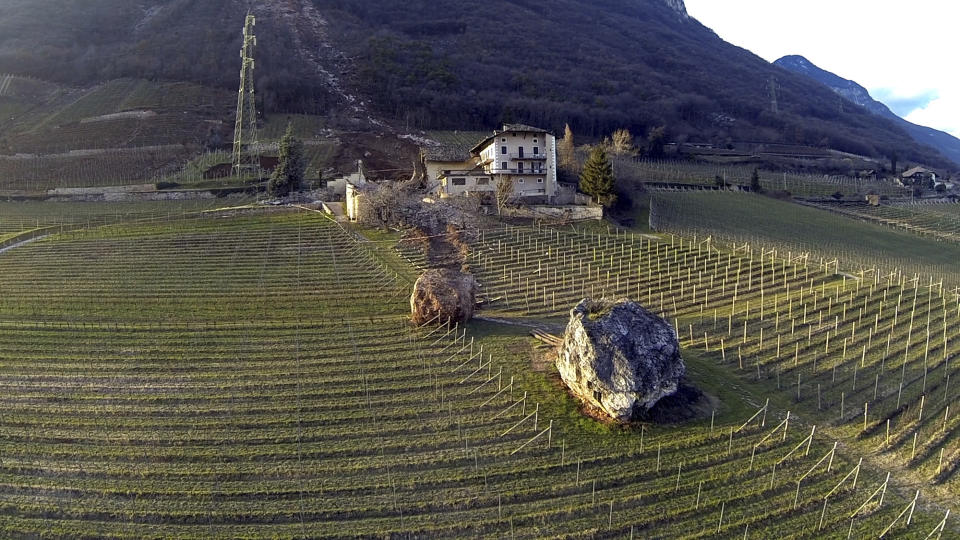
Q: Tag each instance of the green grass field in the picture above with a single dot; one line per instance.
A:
(252, 374)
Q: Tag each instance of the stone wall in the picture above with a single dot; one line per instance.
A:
(563, 213)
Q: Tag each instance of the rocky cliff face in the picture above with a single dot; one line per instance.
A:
(678, 6)
(848, 89)
(619, 357)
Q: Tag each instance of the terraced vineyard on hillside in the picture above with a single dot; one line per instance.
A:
(251, 373)
(131, 166)
(122, 132)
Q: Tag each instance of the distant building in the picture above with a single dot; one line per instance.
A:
(919, 175)
(522, 155)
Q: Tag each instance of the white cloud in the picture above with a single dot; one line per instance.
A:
(905, 105)
(904, 48)
(941, 113)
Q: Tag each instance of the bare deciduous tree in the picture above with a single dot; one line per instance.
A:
(504, 193)
(387, 204)
(567, 150)
(622, 142)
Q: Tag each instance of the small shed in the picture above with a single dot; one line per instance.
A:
(338, 186)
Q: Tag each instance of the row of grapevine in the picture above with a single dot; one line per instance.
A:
(874, 350)
(252, 373)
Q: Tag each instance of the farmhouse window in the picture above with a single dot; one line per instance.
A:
(483, 181)
(503, 150)
(459, 181)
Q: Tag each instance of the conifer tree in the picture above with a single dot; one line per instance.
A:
(755, 181)
(596, 180)
(656, 142)
(291, 167)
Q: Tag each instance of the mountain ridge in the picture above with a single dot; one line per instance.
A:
(947, 144)
(441, 64)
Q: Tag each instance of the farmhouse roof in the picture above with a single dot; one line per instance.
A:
(915, 171)
(507, 128)
(446, 152)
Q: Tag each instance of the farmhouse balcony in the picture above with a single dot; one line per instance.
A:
(525, 171)
(525, 156)
(464, 172)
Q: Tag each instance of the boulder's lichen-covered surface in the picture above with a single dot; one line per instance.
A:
(619, 357)
(439, 295)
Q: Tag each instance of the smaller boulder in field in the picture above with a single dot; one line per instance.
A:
(439, 295)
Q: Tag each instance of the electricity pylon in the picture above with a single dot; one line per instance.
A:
(245, 132)
(774, 89)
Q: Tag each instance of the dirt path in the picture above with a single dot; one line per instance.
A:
(23, 243)
(525, 323)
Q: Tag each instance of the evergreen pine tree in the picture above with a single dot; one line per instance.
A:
(596, 179)
(656, 142)
(291, 166)
(755, 181)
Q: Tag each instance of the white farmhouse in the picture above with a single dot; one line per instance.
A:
(523, 156)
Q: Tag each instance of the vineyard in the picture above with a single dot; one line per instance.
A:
(118, 133)
(125, 95)
(940, 221)
(705, 174)
(762, 222)
(113, 167)
(17, 218)
(251, 373)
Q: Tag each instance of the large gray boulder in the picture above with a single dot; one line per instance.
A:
(619, 357)
(439, 295)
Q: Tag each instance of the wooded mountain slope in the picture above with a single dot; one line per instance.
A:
(598, 64)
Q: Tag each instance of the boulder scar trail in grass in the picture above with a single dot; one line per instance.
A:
(25, 242)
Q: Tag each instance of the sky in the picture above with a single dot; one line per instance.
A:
(906, 53)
